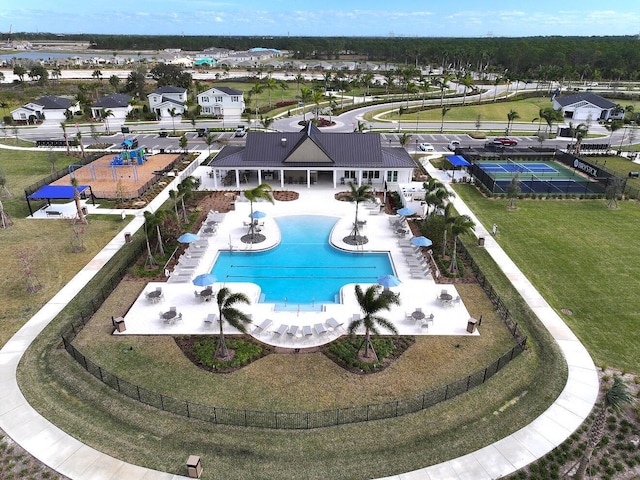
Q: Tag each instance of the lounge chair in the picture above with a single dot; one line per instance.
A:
(281, 330)
(333, 324)
(210, 319)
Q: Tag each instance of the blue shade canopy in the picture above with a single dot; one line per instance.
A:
(458, 161)
(405, 212)
(57, 191)
(187, 238)
(388, 281)
(421, 241)
(257, 214)
(205, 280)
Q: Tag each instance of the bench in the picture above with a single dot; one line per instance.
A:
(53, 213)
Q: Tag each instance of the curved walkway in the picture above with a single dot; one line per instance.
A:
(75, 460)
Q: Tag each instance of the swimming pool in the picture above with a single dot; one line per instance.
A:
(304, 269)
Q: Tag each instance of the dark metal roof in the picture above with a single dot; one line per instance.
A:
(597, 100)
(229, 90)
(168, 89)
(51, 102)
(311, 148)
(114, 100)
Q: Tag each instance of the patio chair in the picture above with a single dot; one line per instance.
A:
(293, 331)
(172, 309)
(210, 319)
(281, 330)
(457, 300)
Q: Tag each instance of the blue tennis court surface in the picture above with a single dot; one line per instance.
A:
(511, 167)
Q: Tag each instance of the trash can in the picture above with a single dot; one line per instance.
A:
(194, 467)
(481, 241)
(471, 325)
(127, 237)
(85, 211)
(125, 129)
(119, 324)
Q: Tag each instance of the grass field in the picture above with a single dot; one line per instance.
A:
(582, 257)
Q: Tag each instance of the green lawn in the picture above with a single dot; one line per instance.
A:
(582, 257)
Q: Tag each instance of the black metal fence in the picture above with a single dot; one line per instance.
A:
(293, 420)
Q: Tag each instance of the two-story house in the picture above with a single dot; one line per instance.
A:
(222, 102)
(165, 99)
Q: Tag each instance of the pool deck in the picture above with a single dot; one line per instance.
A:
(143, 318)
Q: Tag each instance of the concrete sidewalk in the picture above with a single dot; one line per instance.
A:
(75, 460)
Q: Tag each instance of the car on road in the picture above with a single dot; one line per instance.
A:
(426, 147)
(240, 131)
(508, 142)
(494, 145)
(453, 144)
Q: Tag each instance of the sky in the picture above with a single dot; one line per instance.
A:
(378, 18)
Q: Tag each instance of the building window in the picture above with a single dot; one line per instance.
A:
(350, 174)
(392, 176)
(219, 99)
(234, 98)
(205, 99)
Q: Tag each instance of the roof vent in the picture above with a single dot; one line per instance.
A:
(283, 142)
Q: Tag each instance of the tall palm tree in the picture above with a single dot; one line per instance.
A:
(467, 83)
(209, 139)
(66, 138)
(306, 94)
(460, 226)
(227, 311)
(358, 195)
(371, 302)
(435, 194)
(105, 114)
(174, 195)
(511, 116)
(184, 192)
(270, 84)
(449, 218)
(153, 221)
(614, 399)
(404, 139)
(443, 112)
(76, 199)
(261, 192)
(79, 139)
(283, 87)
(172, 112)
(316, 98)
(299, 80)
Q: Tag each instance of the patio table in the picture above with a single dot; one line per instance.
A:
(417, 315)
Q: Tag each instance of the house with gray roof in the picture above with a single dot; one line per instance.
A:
(165, 99)
(587, 106)
(311, 157)
(222, 102)
(118, 103)
(49, 107)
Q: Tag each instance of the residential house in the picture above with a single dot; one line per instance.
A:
(587, 106)
(48, 107)
(164, 99)
(311, 157)
(221, 102)
(118, 103)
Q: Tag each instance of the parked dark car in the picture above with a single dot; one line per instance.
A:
(202, 132)
(163, 133)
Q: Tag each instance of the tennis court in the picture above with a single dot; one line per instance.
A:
(545, 177)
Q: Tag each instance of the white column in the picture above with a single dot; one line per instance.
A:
(282, 178)
(238, 178)
(259, 176)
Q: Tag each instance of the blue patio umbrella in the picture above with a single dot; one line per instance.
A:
(187, 237)
(205, 280)
(405, 212)
(257, 214)
(388, 281)
(421, 241)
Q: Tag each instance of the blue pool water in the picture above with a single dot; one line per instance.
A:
(304, 269)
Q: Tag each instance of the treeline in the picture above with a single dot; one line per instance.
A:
(547, 58)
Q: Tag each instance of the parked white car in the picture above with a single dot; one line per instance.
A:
(426, 147)
(453, 144)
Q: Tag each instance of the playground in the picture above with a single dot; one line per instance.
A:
(120, 175)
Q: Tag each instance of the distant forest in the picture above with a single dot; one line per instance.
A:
(552, 58)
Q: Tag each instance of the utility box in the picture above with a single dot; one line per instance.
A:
(194, 467)
(481, 241)
(119, 324)
(127, 237)
(471, 325)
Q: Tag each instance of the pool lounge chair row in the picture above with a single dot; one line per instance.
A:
(298, 332)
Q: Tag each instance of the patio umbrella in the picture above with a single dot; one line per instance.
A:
(257, 214)
(205, 280)
(388, 281)
(187, 238)
(421, 241)
(405, 212)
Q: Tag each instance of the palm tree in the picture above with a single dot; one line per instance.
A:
(513, 190)
(256, 90)
(97, 74)
(316, 98)
(612, 127)
(227, 311)
(172, 112)
(105, 114)
(358, 195)
(435, 194)
(580, 133)
(266, 121)
(299, 80)
(614, 399)
(306, 94)
(76, 199)
(449, 218)
(443, 112)
(371, 302)
(261, 192)
(66, 138)
(174, 195)
(467, 83)
(460, 226)
(209, 140)
(511, 116)
(270, 84)
(404, 139)
(79, 139)
(154, 221)
(184, 192)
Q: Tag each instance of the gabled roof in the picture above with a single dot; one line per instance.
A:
(312, 148)
(170, 101)
(227, 90)
(51, 102)
(168, 89)
(115, 100)
(596, 100)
